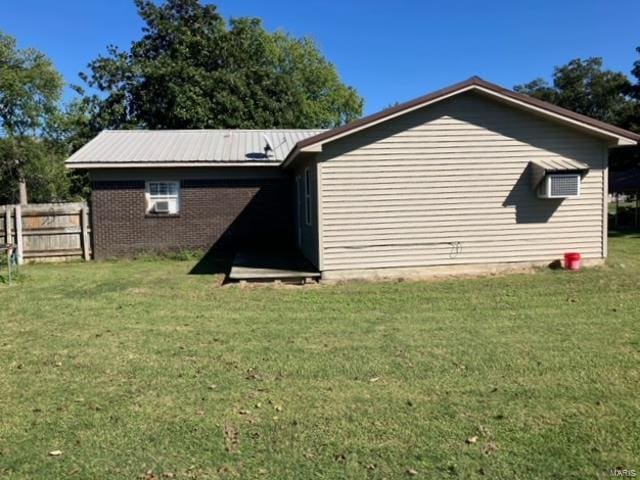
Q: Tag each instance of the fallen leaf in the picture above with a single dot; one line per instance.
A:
(472, 440)
(55, 453)
(371, 466)
(412, 472)
(374, 379)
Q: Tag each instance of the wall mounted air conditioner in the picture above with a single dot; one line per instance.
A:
(161, 206)
(560, 185)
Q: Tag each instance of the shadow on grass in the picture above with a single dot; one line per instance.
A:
(213, 263)
(624, 233)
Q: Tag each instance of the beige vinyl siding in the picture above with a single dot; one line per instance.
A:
(450, 185)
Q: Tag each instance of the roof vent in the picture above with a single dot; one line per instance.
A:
(267, 147)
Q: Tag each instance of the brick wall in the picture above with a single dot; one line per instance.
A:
(218, 215)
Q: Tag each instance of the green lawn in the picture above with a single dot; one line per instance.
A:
(131, 367)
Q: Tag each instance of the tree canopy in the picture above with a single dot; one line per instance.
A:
(191, 69)
(30, 90)
(583, 86)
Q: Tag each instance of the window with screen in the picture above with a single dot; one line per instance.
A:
(163, 197)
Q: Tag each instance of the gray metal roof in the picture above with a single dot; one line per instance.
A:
(560, 164)
(139, 148)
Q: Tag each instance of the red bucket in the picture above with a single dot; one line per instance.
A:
(572, 261)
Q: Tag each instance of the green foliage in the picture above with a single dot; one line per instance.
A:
(583, 86)
(30, 88)
(635, 92)
(42, 168)
(136, 366)
(192, 70)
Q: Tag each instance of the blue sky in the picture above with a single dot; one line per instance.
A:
(389, 51)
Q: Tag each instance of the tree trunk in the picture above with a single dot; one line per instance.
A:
(22, 185)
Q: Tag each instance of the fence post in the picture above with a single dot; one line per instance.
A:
(7, 225)
(84, 212)
(19, 242)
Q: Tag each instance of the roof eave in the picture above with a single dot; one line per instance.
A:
(615, 135)
(123, 165)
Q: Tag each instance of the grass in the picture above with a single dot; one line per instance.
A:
(135, 369)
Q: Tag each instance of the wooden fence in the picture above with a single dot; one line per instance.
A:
(48, 231)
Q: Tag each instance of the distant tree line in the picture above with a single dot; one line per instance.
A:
(585, 87)
(190, 69)
(193, 69)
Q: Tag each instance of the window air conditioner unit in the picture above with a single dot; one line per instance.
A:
(560, 185)
(161, 207)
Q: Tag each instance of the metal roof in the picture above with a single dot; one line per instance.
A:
(560, 165)
(143, 148)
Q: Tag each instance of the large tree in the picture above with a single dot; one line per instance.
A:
(635, 92)
(191, 69)
(585, 87)
(30, 89)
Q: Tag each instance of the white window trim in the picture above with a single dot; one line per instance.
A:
(151, 199)
(307, 197)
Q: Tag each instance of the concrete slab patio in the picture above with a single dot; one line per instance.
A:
(272, 266)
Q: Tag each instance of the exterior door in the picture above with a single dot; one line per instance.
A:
(299, 209)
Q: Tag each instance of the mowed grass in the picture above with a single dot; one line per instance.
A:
(136, 369)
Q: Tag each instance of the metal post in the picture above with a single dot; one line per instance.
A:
(637, 207)
(84, 213)
(9, 255)
(19, 242)
(22, 186)
(7, 225)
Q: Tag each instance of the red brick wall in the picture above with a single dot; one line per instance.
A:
(221, 214)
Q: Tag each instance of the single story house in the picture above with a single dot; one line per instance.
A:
(473, 176)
